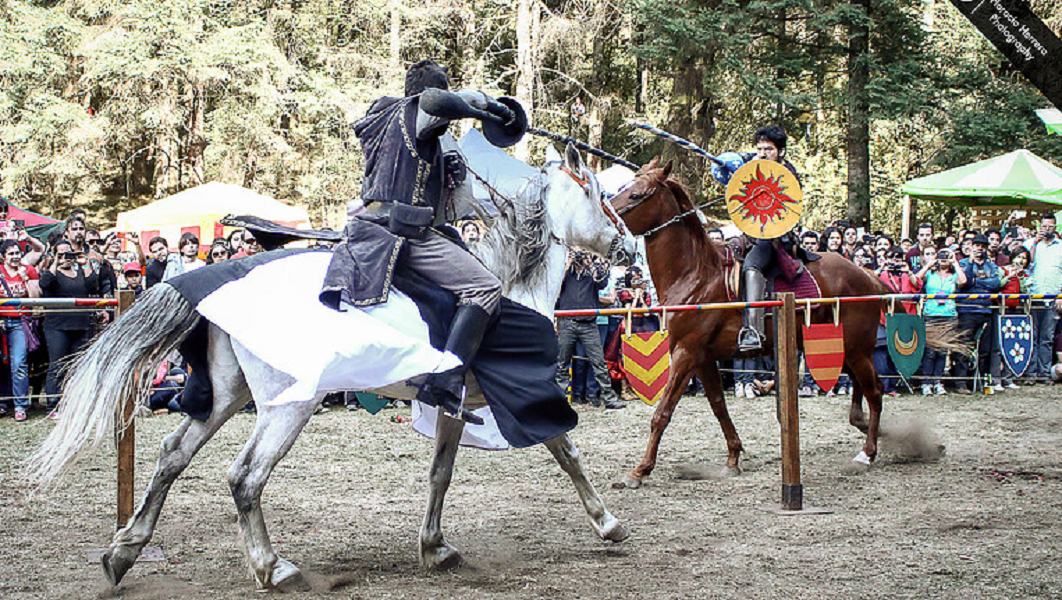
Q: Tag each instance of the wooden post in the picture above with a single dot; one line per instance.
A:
(788, 382)
(126, 440)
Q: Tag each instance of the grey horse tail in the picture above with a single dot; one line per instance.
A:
(118, 366)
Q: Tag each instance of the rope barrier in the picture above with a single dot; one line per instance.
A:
(590, 312)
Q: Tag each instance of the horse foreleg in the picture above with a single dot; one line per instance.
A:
(604, 523)
(178, 449)
(275, 432)
(863, 372)
(435, 553)
(856, 416)
(713, 388)
(676, 384)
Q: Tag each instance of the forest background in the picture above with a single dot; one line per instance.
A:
(109, 104)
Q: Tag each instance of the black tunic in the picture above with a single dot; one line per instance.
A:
(59, 285)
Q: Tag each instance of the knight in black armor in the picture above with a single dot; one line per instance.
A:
(411, 181)
(770, 145)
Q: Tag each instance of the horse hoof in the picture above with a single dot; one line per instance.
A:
(288, 577)
(116, 563)
(441, 558)
(627, 483)
(862, 459)
(614, 531)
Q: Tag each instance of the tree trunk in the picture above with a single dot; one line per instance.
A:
(526, 38)
(396, 37)
(859, 119)
(691, 115)
(195, 142)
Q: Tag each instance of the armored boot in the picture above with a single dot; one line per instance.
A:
(446, 389)
(751, 335)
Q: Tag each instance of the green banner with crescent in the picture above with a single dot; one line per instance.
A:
(906, 335)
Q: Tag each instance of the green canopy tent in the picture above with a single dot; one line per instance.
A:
(991, 187)
(1019, 178)
(1052, 117)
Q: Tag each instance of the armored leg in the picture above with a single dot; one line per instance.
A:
(751, 335)
(446, 389)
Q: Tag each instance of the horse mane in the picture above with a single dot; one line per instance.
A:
(682, 197)
(516, 244)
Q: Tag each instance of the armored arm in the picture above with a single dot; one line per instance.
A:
(438, 107)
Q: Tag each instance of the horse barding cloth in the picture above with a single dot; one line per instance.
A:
(269, 304)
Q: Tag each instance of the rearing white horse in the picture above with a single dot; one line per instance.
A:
(563, 204)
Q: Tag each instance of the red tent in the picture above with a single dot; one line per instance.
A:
(31, 218)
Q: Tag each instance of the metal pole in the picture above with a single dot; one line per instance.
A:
(786, 361)
(126, 439)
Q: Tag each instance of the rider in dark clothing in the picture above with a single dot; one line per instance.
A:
(408, 189)
(770, 145)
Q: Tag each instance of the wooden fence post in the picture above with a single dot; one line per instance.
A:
(788, 384)
(126, 440)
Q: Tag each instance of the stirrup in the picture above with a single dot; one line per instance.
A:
(451, 405)
(749, 339)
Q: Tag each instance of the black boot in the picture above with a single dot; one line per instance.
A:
(446, 389)
(751, 335)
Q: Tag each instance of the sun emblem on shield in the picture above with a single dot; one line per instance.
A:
(764, 199)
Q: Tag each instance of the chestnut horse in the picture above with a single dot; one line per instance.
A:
(687, 268)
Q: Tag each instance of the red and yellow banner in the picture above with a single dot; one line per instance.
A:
(647, 363)
(824, 353)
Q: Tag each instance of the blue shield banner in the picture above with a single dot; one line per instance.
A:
(1016, 342)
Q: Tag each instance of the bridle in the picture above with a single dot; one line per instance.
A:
(610, 212)
(639, 199)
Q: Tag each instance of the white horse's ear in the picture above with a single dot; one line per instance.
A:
(551, 154)
(573, 159)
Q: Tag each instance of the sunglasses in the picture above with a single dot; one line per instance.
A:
(219, 254)
(250, 240)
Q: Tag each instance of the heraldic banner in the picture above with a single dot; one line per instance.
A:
(824, 353)
(647, 363)
(906, 335)
(1016, 342)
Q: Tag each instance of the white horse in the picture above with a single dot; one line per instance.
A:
(566, 201)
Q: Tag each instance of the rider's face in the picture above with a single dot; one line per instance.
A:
(766, 150)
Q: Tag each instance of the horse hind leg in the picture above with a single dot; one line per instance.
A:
(862, 369)
(276, 429)
(435, 552)
(176, 454)
(607, 526)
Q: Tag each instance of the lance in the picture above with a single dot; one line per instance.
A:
(683, 143)
(556, 137)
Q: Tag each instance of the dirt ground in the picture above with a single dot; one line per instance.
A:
(981, 522)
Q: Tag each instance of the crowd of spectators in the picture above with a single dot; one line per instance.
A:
(1009, 259)
(76, 261)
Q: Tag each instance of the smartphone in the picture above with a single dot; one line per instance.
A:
(19, 223)
(1020, 214)
(3, 224)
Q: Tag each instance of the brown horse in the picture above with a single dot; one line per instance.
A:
(687, 268)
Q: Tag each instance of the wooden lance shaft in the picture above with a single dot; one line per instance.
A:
(127, 439)
(789, 414)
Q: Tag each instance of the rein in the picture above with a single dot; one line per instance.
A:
(640, 199)
(679, 217)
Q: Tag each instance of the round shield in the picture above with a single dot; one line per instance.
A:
(764, 199)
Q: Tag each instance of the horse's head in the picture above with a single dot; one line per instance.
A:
(647, 201)
(578, 212)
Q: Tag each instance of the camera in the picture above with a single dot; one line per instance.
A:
(70, 255)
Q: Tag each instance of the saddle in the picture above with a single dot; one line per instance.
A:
(789, 273)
